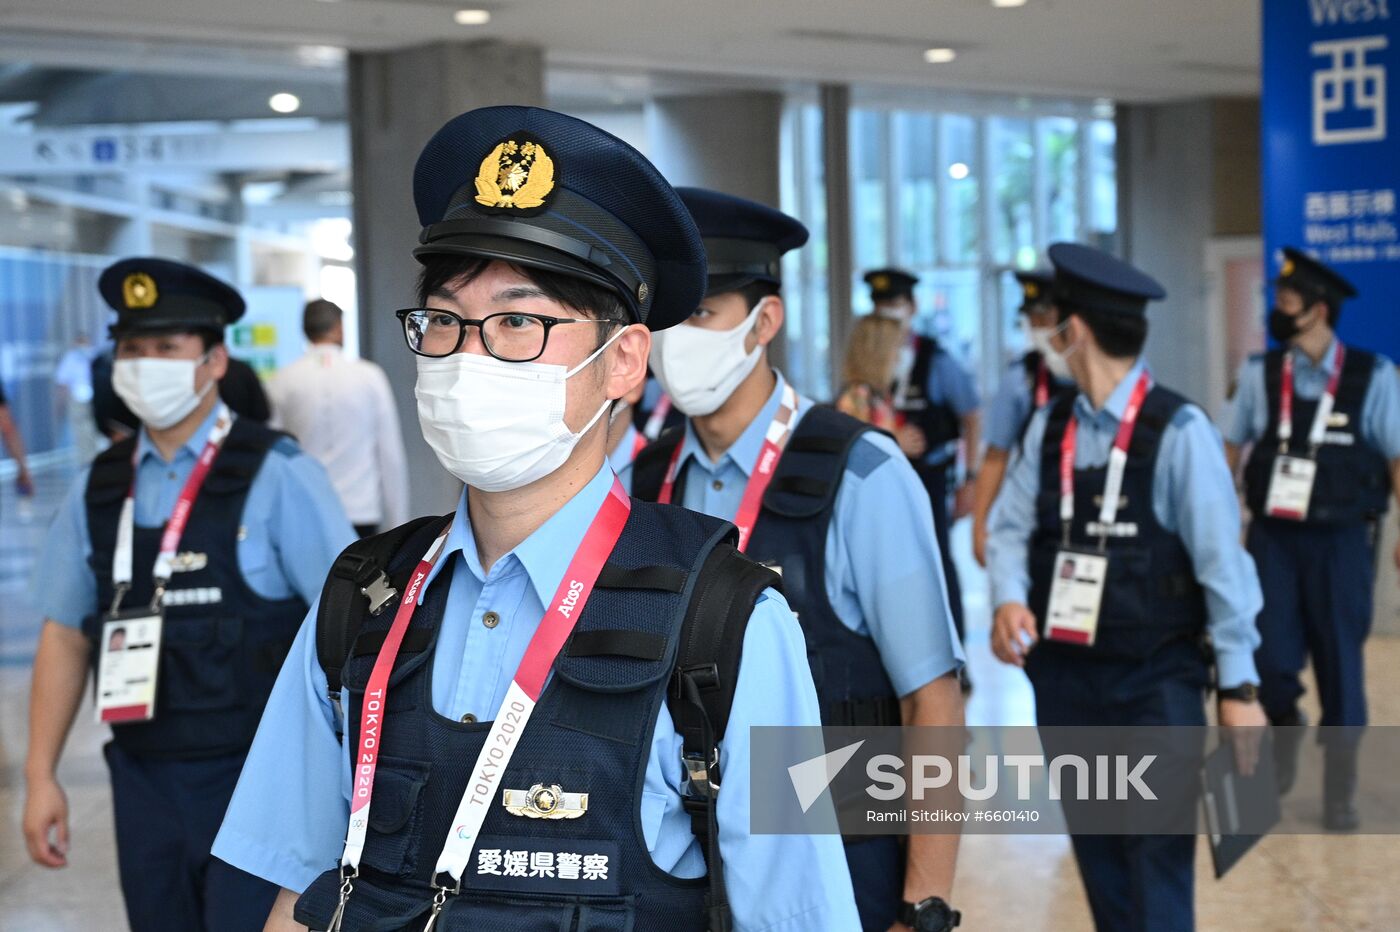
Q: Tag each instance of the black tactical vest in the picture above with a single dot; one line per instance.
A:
(222, 644)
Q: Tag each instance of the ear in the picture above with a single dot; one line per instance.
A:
(626, 362)
(771, 314)
(217, 365)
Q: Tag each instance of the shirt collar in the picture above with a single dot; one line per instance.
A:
(195, 444)
(1303, 359)
(744, 451)
(544, 555)
(1117, 400)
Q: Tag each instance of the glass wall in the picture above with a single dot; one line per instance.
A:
(962, 196)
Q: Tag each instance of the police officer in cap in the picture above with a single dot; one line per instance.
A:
(538, 768)
(1028, 386)
(1175, 570)
(201, 541)
(1323, 420)
(832, 504)
(937, 400)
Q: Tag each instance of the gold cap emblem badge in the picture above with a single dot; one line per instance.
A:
(1287, 268)
(1032, 291)
(543, 801)
(880, 282)
(139, 291)
(516, 174)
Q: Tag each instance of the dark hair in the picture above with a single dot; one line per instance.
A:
(440, 271)
(319, 318)
(1120, 336)
(755, 292)
(210, 338)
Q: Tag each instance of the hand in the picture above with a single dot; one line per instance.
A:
(45, 823)
(979, 541)
(1013, 633)
(912, 441)
(24, 482)
(962, 501)
(1244, 723)
(900, 927)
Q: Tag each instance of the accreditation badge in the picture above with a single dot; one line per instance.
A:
(1290, 488)
(128, 660)
(1076, 592)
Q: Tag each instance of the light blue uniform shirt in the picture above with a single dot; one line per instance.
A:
(1247, 416)
(1193, 496)
(293, 526)
(884, 575)
(288, 817)
(621, 458)
(1010, 408)
(949, 383)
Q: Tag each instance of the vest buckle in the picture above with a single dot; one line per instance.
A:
(379, 592)
(698, 782)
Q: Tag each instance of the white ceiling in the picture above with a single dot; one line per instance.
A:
(1130, 50)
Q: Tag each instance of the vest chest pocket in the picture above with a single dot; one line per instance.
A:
(614, 914)
(200, 663)
(395, 815)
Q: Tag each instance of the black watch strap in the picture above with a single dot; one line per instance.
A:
(929, 915)
(1245, 692)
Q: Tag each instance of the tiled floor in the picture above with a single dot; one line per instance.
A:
(1025, 884)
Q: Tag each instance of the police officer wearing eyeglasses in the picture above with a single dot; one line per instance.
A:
(519, 718)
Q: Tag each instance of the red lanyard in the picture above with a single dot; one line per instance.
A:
(639, 443)
(1042, 385)
(1324, 406)
(657, 419)
(122, 572)
(1117, 459)
(554, 629)
(779, 431)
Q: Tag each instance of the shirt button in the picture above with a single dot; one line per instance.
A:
(173, 477)
(468, 719)
(717, 485)
(490, 619)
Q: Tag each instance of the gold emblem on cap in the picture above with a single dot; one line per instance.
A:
(515, 174)
(545, 801)
(139, 291)
(1032, 291)
(642, 292)
(880, 282)
(1287, 268)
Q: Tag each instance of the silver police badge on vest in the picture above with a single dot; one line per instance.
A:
(543, 801)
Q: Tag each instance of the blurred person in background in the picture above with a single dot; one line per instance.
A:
(868, 371)
(342, 412)
(73, 399)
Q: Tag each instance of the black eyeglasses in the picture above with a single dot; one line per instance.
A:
(509, 337)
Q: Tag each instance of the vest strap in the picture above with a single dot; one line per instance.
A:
(659, 578)
(640, 645)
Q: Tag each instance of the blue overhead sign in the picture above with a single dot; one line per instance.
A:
(1331, 150)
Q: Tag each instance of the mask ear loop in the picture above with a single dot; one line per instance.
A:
(607, 403)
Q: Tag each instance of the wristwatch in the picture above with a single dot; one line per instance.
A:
(930, 915)
(1245, 692)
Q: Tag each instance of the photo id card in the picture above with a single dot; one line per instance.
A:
(128, 659)
(1076, 592)
(1290, 488)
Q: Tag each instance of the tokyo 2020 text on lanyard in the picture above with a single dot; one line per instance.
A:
(779, 432)
(510, 721)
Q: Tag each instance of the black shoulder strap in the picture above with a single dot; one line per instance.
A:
(357, 586)
(109, 479)
(702, 693)
(813, 462)
(649, 468)
(1357, 370)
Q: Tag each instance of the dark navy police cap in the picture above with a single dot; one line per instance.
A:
(1095, 280)
(1036, 287)
(744, 240)
(543, 190)
(1304, 274)
(161, 296)
(889, 284)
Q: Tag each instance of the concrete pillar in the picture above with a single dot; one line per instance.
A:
(728, 142)
(398, 100)
(840, 248)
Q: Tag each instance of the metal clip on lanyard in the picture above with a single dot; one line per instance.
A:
(511, 718)
(174, 528)
(774, 442)
(1318, 430)
(1117, 465)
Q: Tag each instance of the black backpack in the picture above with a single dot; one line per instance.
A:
(362, 582)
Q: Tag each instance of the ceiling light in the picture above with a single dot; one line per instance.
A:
(284, 102)
(1008, 4)
(958, 171)
(472, 17)
(940, 56)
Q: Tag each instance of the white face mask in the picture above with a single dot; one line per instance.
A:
(161, 392)
(1055, 361)
(700, 368)
(498, 425)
